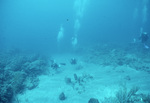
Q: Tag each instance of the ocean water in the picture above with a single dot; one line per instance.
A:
(35, 24)
(74, 50)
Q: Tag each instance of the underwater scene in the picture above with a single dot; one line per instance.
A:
(74, 51)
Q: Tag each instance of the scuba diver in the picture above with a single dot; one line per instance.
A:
(144, 38)
(55, 65)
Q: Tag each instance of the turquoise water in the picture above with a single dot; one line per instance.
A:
(29, 24)
(74, 51)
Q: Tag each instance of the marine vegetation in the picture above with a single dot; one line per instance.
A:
(19, 72)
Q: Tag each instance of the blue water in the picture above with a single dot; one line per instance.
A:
(34, 24)
(80, 38)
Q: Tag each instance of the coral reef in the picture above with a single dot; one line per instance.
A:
(19, 72)
(125, 96)
(62, 96)
(79, 82)
(118, 55)
(93, 100)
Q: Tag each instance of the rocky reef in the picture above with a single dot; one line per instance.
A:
(18, 72)
(133, 56)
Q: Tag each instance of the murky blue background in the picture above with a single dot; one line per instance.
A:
(35, 24)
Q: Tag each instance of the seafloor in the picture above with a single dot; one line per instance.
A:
(103, 73)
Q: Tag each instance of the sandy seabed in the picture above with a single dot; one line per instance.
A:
(98, 81)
